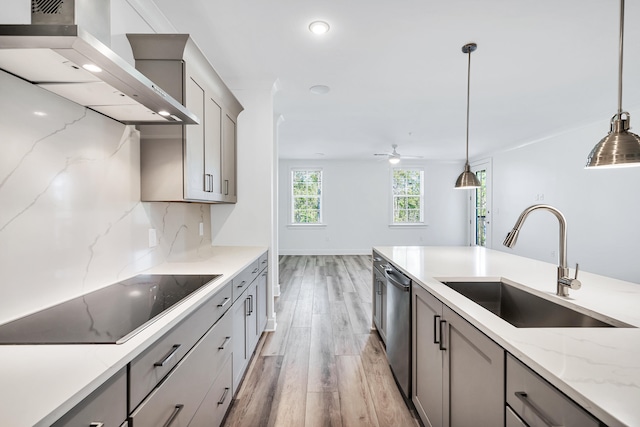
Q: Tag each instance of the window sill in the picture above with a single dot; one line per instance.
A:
(414, 225)
(308, 226)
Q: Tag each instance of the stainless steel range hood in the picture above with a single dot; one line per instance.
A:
(63, 57)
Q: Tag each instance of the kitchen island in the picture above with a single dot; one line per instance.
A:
(599, 368)
(40, 383)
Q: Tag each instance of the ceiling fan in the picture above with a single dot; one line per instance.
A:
(394, 157)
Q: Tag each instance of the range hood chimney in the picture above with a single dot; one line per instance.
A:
(65, 50)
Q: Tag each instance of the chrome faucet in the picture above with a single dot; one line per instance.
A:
(564, 281)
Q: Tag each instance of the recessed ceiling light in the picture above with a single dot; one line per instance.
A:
(40, 113)
(319, 89)
(92, 67)
(319, 27)
(319, 154)
(164, 113)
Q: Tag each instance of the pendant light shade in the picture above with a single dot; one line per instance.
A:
(620, 148)
(468, 179)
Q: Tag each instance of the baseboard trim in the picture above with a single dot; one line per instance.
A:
(271, 325)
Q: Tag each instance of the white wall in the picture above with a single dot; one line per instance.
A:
(601, 206)
(356, 208)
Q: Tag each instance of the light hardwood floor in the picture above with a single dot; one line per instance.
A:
(322, 366)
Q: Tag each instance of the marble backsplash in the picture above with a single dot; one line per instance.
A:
(71, 219)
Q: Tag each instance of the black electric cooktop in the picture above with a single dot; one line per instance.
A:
(110, 315)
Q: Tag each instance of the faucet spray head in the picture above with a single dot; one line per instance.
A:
(512, 237)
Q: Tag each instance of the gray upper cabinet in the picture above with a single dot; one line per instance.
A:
(458, 372)
(187, 163)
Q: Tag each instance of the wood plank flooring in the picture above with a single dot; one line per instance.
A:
(322, 366)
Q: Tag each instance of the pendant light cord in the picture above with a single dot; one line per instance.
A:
(620, 61)
(468, 94)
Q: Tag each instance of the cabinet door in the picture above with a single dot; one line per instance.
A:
(240, 313)
(252, 319)
(261, 297)
(194, 171)
(474, 375)
(213, 148)
(377, 302)
(229, 159)
(427, 357)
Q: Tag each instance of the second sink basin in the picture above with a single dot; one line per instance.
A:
(523, 309)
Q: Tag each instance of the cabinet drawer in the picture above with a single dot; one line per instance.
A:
(180, 395)
(263, 261)
(148, 369)
(242, 281)
(215, 404)
(107, 405)
(532, 398)
(512, 420)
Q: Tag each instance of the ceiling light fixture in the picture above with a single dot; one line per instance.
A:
(468, 179)
(620, 148)
(319, 27)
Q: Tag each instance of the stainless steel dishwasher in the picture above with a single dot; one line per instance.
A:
(399, 327)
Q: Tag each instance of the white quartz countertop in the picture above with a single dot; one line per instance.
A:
(40, 383)
(599, 368)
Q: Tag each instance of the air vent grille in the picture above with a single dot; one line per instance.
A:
(47, 7)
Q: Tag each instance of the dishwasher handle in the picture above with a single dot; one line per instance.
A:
(404, 286)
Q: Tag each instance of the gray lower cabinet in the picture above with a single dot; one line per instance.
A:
(244, 328)
(107, 406)
(179, 397)
(458, 372)
(188, 376)
(379, 297)
(535, 402)
(249, 316)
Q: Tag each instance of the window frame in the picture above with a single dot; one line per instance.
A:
(292, 198)
(392, 197)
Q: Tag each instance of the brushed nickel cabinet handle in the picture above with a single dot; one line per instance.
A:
(522, 396)
(224, 343)
(168, 357)
(226, 187)
(224, 396)
(96, 424)
(226, 301)
(255, 270)
(174, 414)
(242, 283)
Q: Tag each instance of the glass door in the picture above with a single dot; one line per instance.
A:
(480, 205)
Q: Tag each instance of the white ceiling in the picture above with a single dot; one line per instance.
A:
(397, 73)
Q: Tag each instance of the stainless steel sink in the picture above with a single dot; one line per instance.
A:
(526, 310)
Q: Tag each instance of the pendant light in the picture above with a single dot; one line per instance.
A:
(468, 179)
(620, 147)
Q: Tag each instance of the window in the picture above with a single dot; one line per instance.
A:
(306, 196)
(407, 188)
